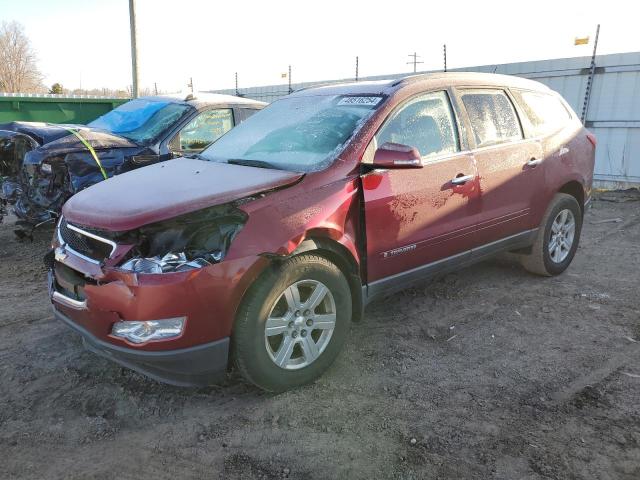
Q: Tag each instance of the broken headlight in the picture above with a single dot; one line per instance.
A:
(191, 241)
(46, 168)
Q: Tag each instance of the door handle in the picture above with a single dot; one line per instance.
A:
(534, 162)
(462, 179)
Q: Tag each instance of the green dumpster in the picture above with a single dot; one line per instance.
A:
(54, 108)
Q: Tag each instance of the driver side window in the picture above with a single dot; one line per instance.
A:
(426, 123)
(203, 130)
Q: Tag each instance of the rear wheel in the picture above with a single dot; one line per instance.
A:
(293, 323)
(557, 239)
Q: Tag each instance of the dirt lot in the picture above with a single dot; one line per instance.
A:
(487, 373)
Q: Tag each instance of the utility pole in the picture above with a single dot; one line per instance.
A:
(356, 69)
(190, 84)
(290, 90)
(134, 48)
(592, 72)
(444, 48)
(414, 61)
(237, 92)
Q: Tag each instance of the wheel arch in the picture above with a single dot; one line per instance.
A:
(337, 253)
(576, 190)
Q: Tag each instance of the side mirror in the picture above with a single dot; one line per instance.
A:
(396, 155)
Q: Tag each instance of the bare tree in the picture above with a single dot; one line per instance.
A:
(18, 69)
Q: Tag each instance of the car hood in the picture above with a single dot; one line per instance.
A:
(98, 139)
(52, 139)
(167, 190)
(40, 132)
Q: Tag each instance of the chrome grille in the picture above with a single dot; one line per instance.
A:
(87, 244)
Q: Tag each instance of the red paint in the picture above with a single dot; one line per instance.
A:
(418, 208)
(167, 190)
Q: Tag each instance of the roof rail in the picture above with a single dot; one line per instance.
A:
(419, 76)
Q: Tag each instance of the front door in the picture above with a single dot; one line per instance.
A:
(509, 166)
(418, 216)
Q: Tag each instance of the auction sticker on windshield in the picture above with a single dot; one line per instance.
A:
(364, 101)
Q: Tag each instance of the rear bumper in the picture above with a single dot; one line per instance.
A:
(187, 367)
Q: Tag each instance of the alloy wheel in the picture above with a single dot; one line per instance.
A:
(563, 230)
(300, 324)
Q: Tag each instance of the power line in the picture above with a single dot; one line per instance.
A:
(414, 61)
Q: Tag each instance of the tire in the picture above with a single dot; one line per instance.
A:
(270, 303)
(541, 261)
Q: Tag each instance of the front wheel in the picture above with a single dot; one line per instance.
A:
(557, 239)
(293, 323)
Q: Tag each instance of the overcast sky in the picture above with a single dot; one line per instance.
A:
(88, 40)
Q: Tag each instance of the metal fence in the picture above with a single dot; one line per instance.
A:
(614, 108)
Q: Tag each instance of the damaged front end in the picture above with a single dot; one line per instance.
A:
(43, 189)
(54, 172)
(43, 165)
(191, 241)
(156, 299)
(13, 148)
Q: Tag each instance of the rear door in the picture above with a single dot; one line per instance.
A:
(418, 216)
(509, 166)
(546, 118)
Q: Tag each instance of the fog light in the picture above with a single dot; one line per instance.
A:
(151, 330)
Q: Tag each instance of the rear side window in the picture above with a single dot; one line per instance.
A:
(426, 123)
(546, 113)
(493, 118)
(244, 113)
(203, 130)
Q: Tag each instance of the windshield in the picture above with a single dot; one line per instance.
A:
(302, 134)
(141, 120)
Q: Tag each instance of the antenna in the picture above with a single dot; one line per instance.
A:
(444, 48)
(592, 72)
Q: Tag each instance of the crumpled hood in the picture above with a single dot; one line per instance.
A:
(167, 190)
(55, 140)
(40, 132)
(68, 143)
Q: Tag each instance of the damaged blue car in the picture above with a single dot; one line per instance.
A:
(42, 165)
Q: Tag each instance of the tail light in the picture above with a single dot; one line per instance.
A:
(592, 138)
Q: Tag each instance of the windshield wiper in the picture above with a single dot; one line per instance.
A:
(252, 163)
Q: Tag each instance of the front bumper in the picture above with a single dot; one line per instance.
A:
(187, 367)
(90, 298)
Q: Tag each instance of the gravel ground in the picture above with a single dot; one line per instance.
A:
(487, 373)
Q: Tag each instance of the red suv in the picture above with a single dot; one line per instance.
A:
(266, 246)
